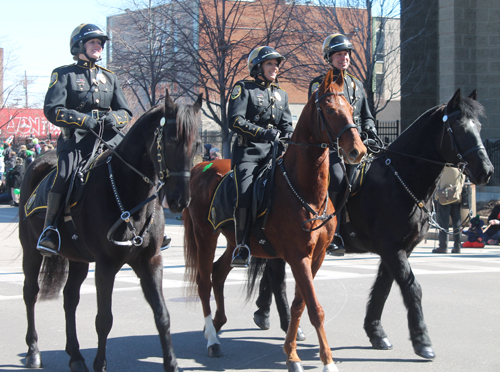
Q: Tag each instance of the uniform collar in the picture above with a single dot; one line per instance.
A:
(263, 83)
(85, 64)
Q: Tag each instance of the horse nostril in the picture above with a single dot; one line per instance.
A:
(354, 154)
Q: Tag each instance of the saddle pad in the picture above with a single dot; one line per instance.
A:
(223, 202)
(37, 202)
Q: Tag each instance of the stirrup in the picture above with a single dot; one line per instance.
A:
(45, 251)
(237, 260)
(339, 250)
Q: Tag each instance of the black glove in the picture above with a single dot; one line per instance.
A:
(371, 132)
(287, 135)
(89, 123)
(115, 119)
(270, 134)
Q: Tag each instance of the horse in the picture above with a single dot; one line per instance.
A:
(301, 187)
(390, 213)
(118, 221)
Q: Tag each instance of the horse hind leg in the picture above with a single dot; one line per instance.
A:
(412, 297)
(378, 296)
(77, 274)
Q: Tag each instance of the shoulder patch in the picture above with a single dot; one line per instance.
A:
(236, 91)
(315, 86)
(53, 79)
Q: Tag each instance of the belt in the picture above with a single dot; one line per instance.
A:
(97, 114)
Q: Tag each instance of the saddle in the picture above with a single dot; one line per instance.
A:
(223, 201)
(37, 202)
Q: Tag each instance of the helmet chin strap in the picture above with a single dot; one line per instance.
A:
(83, 51)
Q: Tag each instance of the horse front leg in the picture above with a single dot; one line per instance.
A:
(76, 275)
(104, 280)
(304, 273)
(32, 261)
(378, 296)
(412, 296)
(151, 276)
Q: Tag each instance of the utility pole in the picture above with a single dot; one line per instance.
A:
(25, 85)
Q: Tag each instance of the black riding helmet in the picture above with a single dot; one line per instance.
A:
(259, 55)
(82, 34)
(335, 43)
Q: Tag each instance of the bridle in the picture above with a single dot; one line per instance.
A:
(334, 143)
(163, 174)
(461, 165)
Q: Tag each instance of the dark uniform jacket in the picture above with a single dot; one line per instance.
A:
(253, 105)
(70, 85)
(355, 94)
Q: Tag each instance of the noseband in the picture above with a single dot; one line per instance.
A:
(454, 146)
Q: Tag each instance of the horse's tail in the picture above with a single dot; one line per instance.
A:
(190, 253)
(254, 272)
(52, 277)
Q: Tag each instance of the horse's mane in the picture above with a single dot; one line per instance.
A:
(470, 108)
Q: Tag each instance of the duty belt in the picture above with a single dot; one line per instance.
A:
(97, 114)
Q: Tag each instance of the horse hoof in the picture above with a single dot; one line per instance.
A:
(381, 343)
(78, 366)
(294, 367)
(301, 336)
(424, 351)
(214, 351)
(34, 360)
(262, 321)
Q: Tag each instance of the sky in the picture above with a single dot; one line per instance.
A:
(35, 37)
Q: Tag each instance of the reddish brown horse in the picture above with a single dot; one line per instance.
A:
(325, 118)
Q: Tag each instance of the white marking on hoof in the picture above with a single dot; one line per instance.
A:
(330, 368)
(210, 333)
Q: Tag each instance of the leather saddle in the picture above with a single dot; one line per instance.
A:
(223, 201)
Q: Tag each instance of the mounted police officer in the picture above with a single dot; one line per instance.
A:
(81, 97)
(337, 53)
(258, 113)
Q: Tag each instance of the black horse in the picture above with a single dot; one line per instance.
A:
(148, 169)
(397, 190)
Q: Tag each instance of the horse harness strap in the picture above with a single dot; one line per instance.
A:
(322, 120)
(324, 217)
(125, 215)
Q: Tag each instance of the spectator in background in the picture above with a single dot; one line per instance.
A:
(493, 229)
(215, 153)
(14, 180)
(10, 160)
(206, 155)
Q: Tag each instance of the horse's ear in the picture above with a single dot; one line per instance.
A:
(328, 79)
(169, 105)
(197, 104)
(455, 100)
(473, 95)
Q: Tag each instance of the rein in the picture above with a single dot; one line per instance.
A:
(333, 145)
(461, 166)
(163, 174)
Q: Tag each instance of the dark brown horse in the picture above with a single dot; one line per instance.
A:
(390, 213)
(323, 119)
(149, 167)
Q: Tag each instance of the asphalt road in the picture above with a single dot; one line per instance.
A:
(461, 305)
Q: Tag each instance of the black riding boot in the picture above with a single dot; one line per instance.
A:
(165, 244)
(49, 242)
(336, 247)
(241, 254)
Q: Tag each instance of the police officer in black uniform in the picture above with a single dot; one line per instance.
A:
(258, 113)
(337, 53)
(81, 97)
